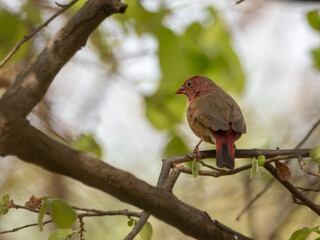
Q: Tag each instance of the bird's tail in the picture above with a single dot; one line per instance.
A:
(225, 148)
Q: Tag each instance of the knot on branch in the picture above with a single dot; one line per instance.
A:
(115, 6)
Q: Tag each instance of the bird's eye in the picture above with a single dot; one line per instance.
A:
(189, 84)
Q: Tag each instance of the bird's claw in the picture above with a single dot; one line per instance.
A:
(196, 150)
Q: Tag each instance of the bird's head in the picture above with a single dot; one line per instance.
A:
(196, 86)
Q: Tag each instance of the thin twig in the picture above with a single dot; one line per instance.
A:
(88, 213)
(271, 181)
(239, 1)
(82, 230)
(294, 191)
(110, 213)
(304, 168)
(26, 38)
(308, 189)
(223, 172)
(241, 153)
(25, 226)
(164, 173)
(308, 134)
(267, 186)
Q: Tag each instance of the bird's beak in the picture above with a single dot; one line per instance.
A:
(181, 90)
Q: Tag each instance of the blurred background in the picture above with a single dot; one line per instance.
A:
(115, 99)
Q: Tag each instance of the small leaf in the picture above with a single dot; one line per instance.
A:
(3, 209)
(314, 19)
(87, 144)
(175, 147)
(255, 171)
(63, 215)
(195, 167)
(303, 233)
(283, 172)
(6, 199)
(261, 160)
(42, 211)
(146, 232)
(62, 234)
(315, 154)
(130, 223)
(315, 55)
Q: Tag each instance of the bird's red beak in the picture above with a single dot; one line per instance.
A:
(181, 90)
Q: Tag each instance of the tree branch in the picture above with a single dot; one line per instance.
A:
(32, 83)
(294, 191)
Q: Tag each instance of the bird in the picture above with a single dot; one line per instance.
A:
(213, 116)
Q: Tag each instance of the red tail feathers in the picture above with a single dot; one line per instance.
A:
(225, 147)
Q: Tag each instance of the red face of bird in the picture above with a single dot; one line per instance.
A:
(196, 86)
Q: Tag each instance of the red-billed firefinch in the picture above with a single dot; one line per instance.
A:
(214, 116)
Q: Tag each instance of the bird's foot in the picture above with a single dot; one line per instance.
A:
(196, 150)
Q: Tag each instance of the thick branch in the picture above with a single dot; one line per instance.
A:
(32, 83)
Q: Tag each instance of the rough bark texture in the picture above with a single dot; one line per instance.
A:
(19, 138)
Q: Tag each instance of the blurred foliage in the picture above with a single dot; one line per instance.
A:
(87, 144)
(12, 31)
(313, 18)
(146, 232)
(203, 48)
(303, 233)
(315, 154)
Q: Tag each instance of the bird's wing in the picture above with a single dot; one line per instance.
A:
(211, 112)
(216, 110)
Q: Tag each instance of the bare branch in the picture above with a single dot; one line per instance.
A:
(308, 134)
(268, 185)
(299, 157)
(294, 191)
(25, 226)
(304, 168)
(26, 38)
(308, 189)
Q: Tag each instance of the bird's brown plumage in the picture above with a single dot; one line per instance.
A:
(214, 116)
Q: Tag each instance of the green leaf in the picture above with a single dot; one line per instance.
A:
(175, 147)
(314, 19)
(62, 234)
(146, 232)
(6, 199)
(3, 209)
(315, 154)
(13, 29)
(195, 168)
(63, 215)
(87, 144)
(303, 233)
(255, 171)
(42, 211)
(130, 222)
(315, 54)
(261, 160)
